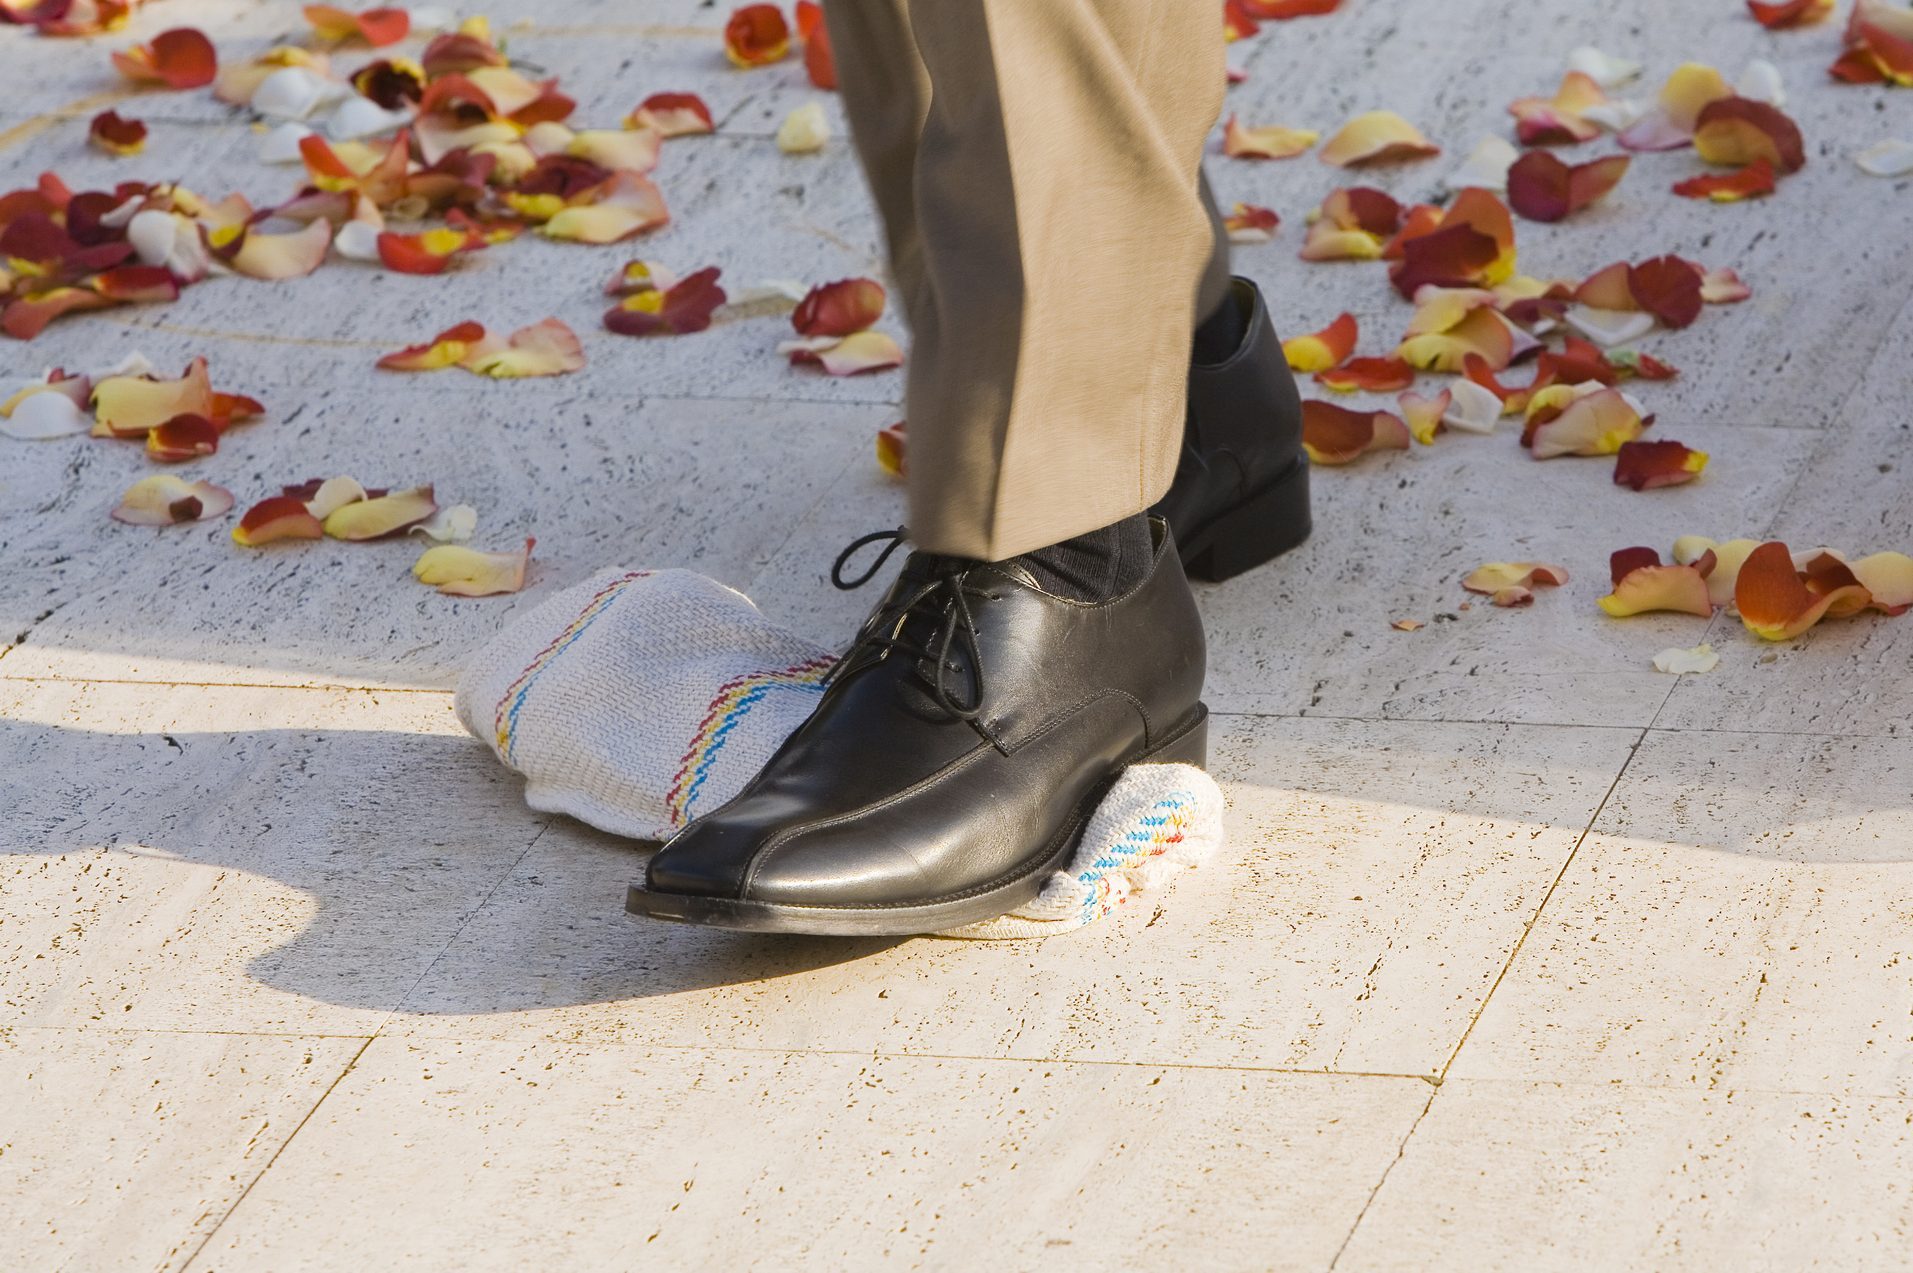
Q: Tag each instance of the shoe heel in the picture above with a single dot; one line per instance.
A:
(1261, 528)
(1190, 747)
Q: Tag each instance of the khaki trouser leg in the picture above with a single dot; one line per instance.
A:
(1048, 234)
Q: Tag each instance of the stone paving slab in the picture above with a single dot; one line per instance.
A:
(194, 1119)
(435, 1153)
(1737, 919)
(1513, 1176)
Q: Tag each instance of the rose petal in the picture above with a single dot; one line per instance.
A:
(275, 257)
(466, 572)
(40, 416)
(1723, 287)
(627, 205)
(426, 253)
(1667, 287)
(840, 308)
(179, 59)
(1480, 332)
(1643, 466)
(165, 500)
(1496, 575)
(184, 437)
(279, 517)
(819, 63)
(1891, 158)
(1603, 69)
(1756, 179)
(1643, 585)
(1592, 424)
(1424, 415)
(547, 348)
(672, 115)
(1889, 577)
(384, 515)
(1486, 166)
(131, 405)
(1376, 137)
(1472, 245)
(1542, 188)
(377, 27)
(448, 526)
(1670, 125)
(852, 355)
(1336, 435)
(1270, 142)
(804, 131)
(1737, 131)
(1368, 375)
(446, 349)
(1790, 13)
(756, 35)
(893, 446)
(1473, 409)
(632, 150)
(1318, 351)
(1700, 658)
(1560, 120)
(682, 308)
(1777, 604)
(1609, 327)
(115, 135)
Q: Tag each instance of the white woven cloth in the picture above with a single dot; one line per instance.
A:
(638, 699)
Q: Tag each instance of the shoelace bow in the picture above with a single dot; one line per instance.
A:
(947, 595)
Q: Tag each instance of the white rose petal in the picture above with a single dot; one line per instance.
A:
(804, 131)
(1761, 82)
(1472, 408)
(1604, 69)
(452, 525)
(1886, 159)
(46, 415)
(291, 92)
(1676, 660)
(359, 117)
(1609, 327)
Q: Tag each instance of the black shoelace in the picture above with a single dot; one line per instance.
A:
(946, 597)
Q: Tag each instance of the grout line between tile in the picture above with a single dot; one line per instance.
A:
(261, 1173)
(1401, 1151)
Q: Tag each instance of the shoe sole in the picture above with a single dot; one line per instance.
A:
(1258, 530)
(1189, 746)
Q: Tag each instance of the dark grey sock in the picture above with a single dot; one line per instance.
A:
(1098, 566)
(1220, 334)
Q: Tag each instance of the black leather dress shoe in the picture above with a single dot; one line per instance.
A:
(1241, 494)
(966, 738)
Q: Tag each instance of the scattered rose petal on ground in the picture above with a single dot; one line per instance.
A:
(1423, 415)
(1560, 120)
(177, 59)
(893, 449)
(1318, 351)
(1889, 577)
(1892, 158)
(1269, 142)
(820, 64)
(51, 408)
(679, 309)
(276, 518)
(1368, 375)
(184, 437)
(672, 115)
(1564, 421)
(1486, 166)
(1450, 325)
(1472, 408)
(804, 131)
(447, 349)
(1352, 224)
(1283, 10)
(1376, 137)
(1670, 124)
(1336, 435)
(1603, 69)
(116, 135)
(1790, 13)
(1778, 602)
(1609, 327)
(1470, 245)
(1407, 625)
(131, 405)
(851, 355)
(840, 308)
(1250, 223)
(1496, 575)
(1879, 40)
(1645, 466)
(1761, 82)
(165, 500)
(546, 348)
(756, 35)
(624, 206)
(1750, 182)
(452, 525)
(381, 515)
(465, 572)
(1737, 131)
(1642, 584)
(1542, 188)
(376, 27)
(1675, 660)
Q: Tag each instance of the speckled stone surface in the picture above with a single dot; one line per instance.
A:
(1523, 956)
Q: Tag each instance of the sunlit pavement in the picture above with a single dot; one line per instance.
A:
(1523, 955)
